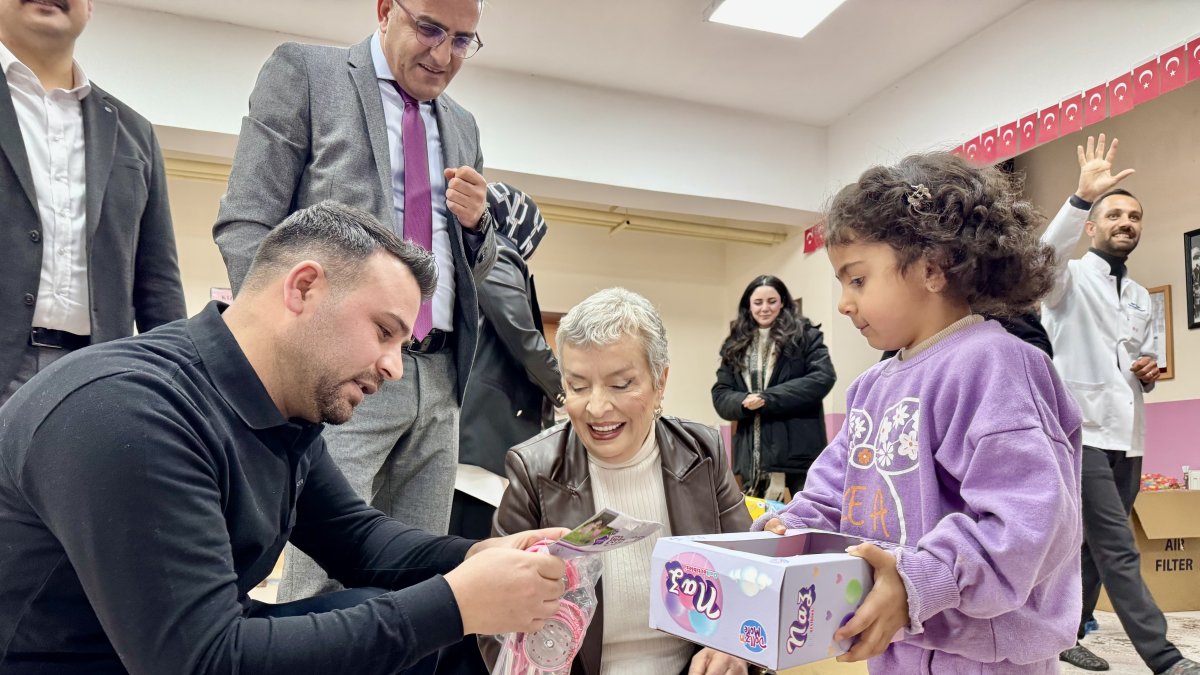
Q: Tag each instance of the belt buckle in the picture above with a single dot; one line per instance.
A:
(36, 342)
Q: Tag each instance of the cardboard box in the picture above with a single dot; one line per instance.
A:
(772, 600)
(1166, 525)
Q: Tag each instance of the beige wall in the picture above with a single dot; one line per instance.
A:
(194, 210)
(684, 278)
(1160, 140)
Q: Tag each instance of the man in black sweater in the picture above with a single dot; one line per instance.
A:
(147, 484)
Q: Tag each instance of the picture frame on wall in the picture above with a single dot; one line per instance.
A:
(1191, 275)
(1164, 336)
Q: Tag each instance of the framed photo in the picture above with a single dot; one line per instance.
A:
(1191, 275)
(1164, 337)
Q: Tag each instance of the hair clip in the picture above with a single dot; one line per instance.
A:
(919, 194)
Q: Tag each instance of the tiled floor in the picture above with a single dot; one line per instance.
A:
(1183, 628)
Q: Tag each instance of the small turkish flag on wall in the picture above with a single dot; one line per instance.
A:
(1027, 131)
(1095, 105)
(1072, 115)
(971, 150)
(1174, 69)
(1192, 51)
(987, 147)
(1145, 82)
(814, 237)
(1048, 127)
(1006, 141)
(1120, 95)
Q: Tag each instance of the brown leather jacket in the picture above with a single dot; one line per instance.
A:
(549, 487)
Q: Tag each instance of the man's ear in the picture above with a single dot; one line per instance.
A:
(304, 286)
(1090, 229)
(382, 10)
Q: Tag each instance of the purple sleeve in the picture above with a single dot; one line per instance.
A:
(819, 505)
(1022, 486)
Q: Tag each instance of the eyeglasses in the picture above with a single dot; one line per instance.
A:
(432, 35)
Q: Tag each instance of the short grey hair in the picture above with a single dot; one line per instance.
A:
(607, 316)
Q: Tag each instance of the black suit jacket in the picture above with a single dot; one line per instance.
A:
(132, 265)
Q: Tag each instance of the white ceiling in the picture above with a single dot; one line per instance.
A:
(665, 48)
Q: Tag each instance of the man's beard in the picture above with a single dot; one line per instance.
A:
(332, 405)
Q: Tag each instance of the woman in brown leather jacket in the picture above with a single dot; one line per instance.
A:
(618, 451)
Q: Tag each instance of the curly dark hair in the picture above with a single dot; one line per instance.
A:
(969, 221)
(787, 332)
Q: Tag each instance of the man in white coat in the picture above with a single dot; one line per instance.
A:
(1099, 322)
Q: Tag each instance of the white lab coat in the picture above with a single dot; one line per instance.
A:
(1097, 336)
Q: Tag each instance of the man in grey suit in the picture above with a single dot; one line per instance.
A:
(88, 245)
(333, 123)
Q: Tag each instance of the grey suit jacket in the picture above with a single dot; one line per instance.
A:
(132, 264)
(316, 131)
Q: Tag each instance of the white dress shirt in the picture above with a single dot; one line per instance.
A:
(52, 128)
(1097, 334)
(393, 111)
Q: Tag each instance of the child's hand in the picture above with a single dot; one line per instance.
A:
(884, 612)
(712, 662)
(775, 526)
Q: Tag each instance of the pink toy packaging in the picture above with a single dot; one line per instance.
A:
(771, 600)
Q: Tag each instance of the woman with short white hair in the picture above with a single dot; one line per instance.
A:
(618, 450)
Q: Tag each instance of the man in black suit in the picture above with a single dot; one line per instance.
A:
(87, 238)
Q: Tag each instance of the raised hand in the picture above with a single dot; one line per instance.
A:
(1095, 169)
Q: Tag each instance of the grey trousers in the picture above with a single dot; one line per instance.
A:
(400, 453)
(33, 361)
(1110, 556)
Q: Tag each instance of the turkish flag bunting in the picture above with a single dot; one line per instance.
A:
(1095, 105)
(987, 147)
(1120, 95)
(1174, 69)
(814, 237)
(1072, 115)
(1027, 132)
(971, 150)
(1192, 51)
(1006, 141)
(1145, 82)
(959, 152)
(1048, 124)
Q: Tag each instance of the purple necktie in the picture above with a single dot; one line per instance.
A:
(418, 199)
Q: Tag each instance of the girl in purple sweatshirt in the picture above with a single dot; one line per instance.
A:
(961, 455)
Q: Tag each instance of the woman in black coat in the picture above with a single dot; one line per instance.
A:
(775, 371)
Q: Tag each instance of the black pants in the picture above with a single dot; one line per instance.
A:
(1110, 556)
(329, 602)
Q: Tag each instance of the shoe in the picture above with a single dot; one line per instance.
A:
(1183, 667)
(1090, 626)
(1082, 657)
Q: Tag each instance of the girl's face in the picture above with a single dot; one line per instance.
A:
(892, 310)
(765, 304)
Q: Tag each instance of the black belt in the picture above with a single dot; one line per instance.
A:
(57, 339)
(435, 341)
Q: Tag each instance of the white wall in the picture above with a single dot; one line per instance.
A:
(1036, 56)
(198, 75)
